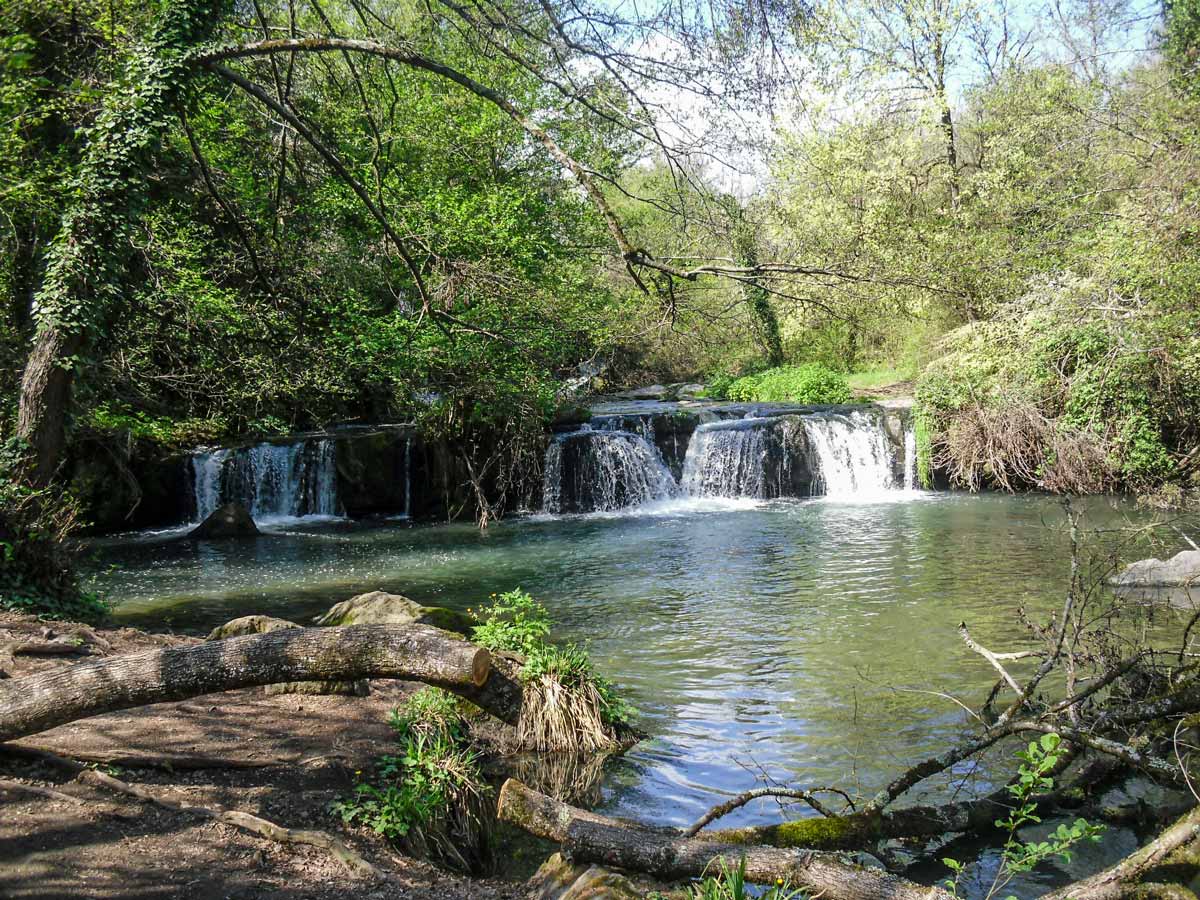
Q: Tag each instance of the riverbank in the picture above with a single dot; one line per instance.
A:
(283, 758)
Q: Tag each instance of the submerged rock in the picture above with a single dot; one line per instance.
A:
(230, 520)
(560, 879)
(382, 608)
(1180, 570)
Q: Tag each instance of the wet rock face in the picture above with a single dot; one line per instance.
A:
(230, 520)
(762, 458)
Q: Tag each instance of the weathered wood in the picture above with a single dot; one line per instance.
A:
(1120, 880)
(667, 854)
(41, 701)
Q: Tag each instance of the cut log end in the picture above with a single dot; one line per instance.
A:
(481, 667)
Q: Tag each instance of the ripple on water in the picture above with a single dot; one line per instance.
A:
(787, 636)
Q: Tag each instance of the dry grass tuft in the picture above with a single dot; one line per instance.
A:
(558, 716)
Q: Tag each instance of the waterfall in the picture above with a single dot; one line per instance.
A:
(728, 459)
(910, 459)
(271, 480)
(854, 456)
(600, 471)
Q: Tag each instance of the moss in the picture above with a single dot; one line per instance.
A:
(816, 833)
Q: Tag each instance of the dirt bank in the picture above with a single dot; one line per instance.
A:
(284, 758)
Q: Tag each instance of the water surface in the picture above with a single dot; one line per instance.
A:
(796, 638)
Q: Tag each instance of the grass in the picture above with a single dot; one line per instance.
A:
(874, 379)
(429, 797)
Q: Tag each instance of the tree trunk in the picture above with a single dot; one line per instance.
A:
(45, 393)
(44, 700)
(665, 853)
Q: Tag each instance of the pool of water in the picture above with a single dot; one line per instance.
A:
(800, 639)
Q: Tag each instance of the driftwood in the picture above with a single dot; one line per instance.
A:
(35, 703)
(669, 854)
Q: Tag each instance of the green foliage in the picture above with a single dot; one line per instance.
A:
(807, 384)
(1079, 380)
(730, 884)
(423, 797)
(1034, 776)
(35, 571)
(513, 622)
(517, 623)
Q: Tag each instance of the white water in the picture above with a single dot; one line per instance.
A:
(726, 459)
(608, 471)
(910, 459)
(273, 481)
(612, 469)
(854, 453)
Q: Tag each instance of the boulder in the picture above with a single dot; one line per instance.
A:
(560, 879)
(690, 391)
(248, 625)
(650, 392)
(1180, 570)
(382, 608)
(230, 520)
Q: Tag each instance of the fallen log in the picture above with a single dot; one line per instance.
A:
(1120, 880)
(670, 855)
(38, 702)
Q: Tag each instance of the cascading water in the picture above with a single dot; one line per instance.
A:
(616, 462)
(744, 458)
(600, 471)
(854, 456)
(271, 480)
(910, 459)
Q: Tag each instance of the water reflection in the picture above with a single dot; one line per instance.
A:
(786, 637)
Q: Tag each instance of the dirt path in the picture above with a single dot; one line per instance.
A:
(108, 846)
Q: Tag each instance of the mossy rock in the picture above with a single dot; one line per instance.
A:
(382, 608)
(358, 688)
(248, 625)
(561, 879)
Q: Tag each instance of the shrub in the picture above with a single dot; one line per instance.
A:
(567, 705)
(36, 569)
(428, 798)
(1059, 392)
(807, 384)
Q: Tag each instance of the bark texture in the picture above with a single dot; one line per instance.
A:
(38, 702)
(666, 853)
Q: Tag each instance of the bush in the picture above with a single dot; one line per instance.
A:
(428, 797)
(36, 568)
(807, 384)
(567, 704)
(1059, 392)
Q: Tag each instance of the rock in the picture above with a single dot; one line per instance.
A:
(348, 688)
(690, 391)
(649, 392)
(559, 879)
(231, 520)
(382, 608)
(248, 625)
(1180, 570)
(263, 625)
